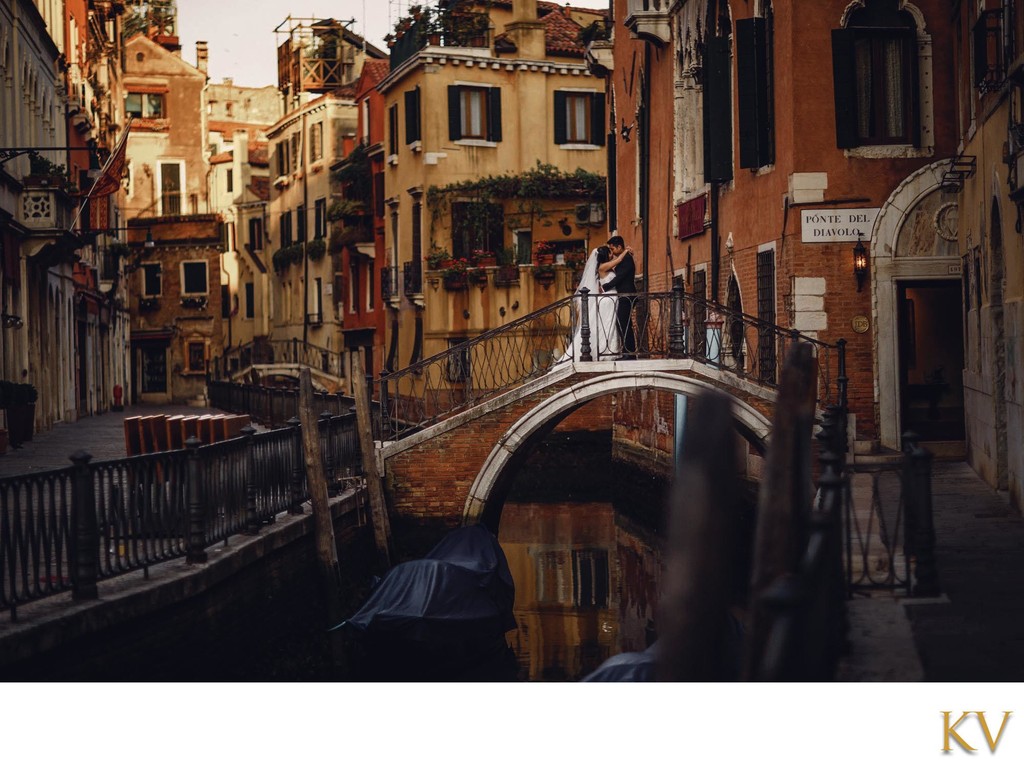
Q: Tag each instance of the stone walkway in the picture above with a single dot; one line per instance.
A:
(973, 632)
(102, 436)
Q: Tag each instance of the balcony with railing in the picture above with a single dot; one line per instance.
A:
(649, 19)
(438, 27)
(314, 56)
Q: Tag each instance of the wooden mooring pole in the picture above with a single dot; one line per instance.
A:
(364, 427)
(326, 550)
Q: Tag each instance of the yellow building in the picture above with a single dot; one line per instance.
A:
(495, 142)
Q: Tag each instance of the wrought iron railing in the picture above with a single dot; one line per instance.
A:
(413, 278)
(584, 327)
(293, 351)
(69, 529)
(268, 405)
(890, 533)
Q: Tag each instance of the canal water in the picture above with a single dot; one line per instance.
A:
(582, 534)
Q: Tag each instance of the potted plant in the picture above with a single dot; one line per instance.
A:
(438, 258)
(574, 259)
(477, 276)
(484, 257)
(316, 248)
(544, 254)
(454, 276)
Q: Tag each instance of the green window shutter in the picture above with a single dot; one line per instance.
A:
(845, 85)
(752, 78)
(597, 129)
(561, 134)
(454, 113)
(494, 114)
(717, 111)
(412, 116)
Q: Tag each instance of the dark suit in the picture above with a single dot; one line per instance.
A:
(624, 283)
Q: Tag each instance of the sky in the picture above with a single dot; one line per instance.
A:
(240, 33)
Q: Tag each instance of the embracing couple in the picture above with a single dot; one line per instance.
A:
(609, 277)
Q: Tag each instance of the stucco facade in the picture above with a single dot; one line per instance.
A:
(459, 112)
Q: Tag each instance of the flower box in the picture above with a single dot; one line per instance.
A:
(477, 277)
(456, 282)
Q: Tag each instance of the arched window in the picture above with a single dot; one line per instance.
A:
(877, 87)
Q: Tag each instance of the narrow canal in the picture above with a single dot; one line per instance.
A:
(582, 536)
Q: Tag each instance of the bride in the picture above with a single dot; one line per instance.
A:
(605, 341)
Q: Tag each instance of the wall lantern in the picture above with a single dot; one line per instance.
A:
(860, 262)
(149, 244)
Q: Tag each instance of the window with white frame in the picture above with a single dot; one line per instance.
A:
(194, 278)
(172, 179)
(316, 142)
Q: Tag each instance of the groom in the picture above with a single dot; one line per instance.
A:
(623, 283)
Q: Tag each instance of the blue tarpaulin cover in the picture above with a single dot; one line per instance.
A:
(463, 581)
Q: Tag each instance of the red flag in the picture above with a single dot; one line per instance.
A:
(109, 180)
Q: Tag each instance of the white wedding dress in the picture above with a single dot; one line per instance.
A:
(605, 341)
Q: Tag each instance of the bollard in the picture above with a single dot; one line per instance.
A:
(585, 354)
(252, 523)
(85, 539)
(676, 328)
(297, 466)
(195, 551)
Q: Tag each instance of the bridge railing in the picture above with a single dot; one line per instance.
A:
(294, 351)
(270, 406)
(69, 529)
(598, 327)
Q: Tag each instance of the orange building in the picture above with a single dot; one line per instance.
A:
(758, 142)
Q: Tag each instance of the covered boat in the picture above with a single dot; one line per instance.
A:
(442, 617)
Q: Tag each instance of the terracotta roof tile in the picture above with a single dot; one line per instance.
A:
(227, 127)
(257, 154)
(561, 34)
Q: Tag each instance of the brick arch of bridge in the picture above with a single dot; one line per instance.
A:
(463, 468)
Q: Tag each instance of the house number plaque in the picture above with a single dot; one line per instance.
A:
(860, 324)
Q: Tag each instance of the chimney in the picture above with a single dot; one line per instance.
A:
(202, 56)
(526, 30)
(242, 173)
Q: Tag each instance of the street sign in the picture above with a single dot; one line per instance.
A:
(837, 225)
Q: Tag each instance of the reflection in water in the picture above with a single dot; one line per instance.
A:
(586, 586)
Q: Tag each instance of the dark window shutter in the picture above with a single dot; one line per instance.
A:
(717, 112)
(752, 78)
(561, 134)
(980, 52)
(494, 114)
(597, 120)
(454, 113)
(412, 116)
(845, 84)
(378, 193)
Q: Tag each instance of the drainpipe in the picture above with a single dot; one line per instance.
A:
(715, 252)
(305, 228)
(645, 169)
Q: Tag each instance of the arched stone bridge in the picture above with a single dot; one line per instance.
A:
(463, 466)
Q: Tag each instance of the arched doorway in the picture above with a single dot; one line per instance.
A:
(918, 314)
